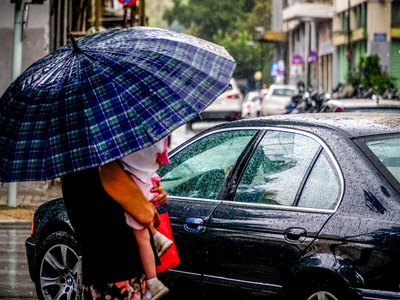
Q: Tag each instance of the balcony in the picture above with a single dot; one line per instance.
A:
(307, 10)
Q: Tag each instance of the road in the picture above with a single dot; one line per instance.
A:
(15, 282)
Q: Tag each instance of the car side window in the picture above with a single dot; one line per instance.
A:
(200, 169)
(322, 187)
(276, 169)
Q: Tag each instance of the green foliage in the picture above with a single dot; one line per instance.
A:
(369, 74)
(230, 24)
(204, 18)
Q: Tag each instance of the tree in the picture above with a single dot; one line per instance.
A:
(230, 24)
(369, 74)
(203, 18)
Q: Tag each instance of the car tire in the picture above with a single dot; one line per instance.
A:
(328, 290)
(57, 267)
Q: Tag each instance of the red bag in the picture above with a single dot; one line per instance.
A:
(170, 259)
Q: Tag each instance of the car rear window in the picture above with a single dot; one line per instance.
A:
(283, 92)
(387, 151)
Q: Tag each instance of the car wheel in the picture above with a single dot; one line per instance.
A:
(57, 267)
(327, 290)
(322, 295)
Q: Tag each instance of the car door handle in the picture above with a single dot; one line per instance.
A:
(194, 224)
(295, 234)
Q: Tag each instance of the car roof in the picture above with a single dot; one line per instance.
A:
(350, 124)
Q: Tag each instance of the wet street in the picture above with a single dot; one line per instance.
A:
(15, 282)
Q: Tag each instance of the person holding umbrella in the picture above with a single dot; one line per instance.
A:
(75, 112)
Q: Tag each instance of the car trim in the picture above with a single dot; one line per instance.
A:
(377, 294)
(238, 282)
(200, 199)
(191, 274)
(268, 128)
(282, 207)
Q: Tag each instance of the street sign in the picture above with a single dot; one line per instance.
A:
(312, 57)
(297, 59)
(127, 2)
(274, 69)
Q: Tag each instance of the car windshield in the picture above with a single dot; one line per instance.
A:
(283, 92)
(387, 151)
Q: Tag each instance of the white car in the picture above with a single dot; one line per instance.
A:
(228, 106)
(277, 98)
(251, 107)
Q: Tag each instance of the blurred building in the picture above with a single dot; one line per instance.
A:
(322, 40)
(36, 37)
(49, 24)
(308, 25)
(277, 37)
(366, 27)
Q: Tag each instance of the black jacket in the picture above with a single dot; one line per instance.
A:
(109, 249)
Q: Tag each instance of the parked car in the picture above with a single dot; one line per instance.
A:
(302, 206)
(228, 106)
(263, 92)
(277, 98)
(361, 105)
(251, 106)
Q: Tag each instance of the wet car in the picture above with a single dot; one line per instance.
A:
(277, 99)
(302, 206)
(361, 105)
(227, 106)
(251, 106)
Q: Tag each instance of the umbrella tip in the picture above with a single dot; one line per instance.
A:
(76, 48)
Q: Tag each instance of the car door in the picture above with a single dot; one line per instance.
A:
(252, 241)
(193, 181)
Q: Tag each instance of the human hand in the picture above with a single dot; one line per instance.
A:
(161, 198)
(157, 220)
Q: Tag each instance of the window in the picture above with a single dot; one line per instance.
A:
(322, 187)
(200, 169)
(361, 15)
(344, 18)
(276, 171)
(387, 150)
(283, 92)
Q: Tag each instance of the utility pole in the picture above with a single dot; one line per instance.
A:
(16, 71)
(349, 47)
(142, 13)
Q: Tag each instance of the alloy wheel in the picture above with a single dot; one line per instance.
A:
(59, 273)
(322, 295)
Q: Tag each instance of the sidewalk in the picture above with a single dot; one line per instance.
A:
(29, 196)
(32, 194)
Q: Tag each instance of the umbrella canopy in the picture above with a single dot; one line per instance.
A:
(103, 97)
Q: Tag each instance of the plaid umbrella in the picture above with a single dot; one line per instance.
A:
(103, 97)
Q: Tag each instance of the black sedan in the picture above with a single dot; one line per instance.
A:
(296, 206)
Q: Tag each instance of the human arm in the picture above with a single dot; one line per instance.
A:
(117, 183)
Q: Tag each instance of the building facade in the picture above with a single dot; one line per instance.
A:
(49, 24)
(308, 26)
(362, 28)
(36, 35)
